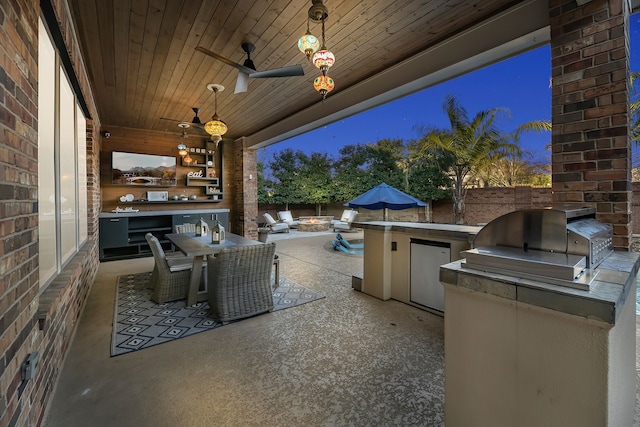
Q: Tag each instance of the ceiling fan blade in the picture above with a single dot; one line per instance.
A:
(225, 60)
(172, 120)
(290, 71)
(242, 82)
(198, 127)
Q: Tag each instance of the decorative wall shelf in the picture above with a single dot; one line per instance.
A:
(207, 172)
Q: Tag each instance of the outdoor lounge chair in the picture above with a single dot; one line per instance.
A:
(240, 282)
(344, 224)
(287, 218)
(170, 277)
(345, 217)
(274, 226)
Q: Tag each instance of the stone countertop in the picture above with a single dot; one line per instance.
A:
(165, 212)
(424, 229)
(603, 301)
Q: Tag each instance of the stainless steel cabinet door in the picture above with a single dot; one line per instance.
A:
(426, 259)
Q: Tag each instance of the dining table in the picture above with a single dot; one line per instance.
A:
(198, 247)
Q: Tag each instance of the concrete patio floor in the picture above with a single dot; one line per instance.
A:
(348, 359)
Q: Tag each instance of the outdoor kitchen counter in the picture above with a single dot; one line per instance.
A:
(124, 213)
(424, 229)
(551, 355)
(387, 254)
(603, 302)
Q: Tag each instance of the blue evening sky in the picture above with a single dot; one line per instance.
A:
(520, 84)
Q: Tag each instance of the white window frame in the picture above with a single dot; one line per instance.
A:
(66, 202)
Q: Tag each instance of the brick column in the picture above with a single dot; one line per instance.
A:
(246, 190)
(591, 148)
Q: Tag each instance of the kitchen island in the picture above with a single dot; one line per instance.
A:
(397, 261)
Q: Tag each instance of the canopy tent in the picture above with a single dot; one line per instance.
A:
(385, 197)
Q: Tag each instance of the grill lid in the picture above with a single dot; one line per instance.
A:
(558, 246)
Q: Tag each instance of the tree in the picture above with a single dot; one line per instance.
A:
(423, 178)
(470, 145)
(314, 179)
(384, 158)
(351, 176)
(361, 167)
(511, 171)
(285, 169)
(265, 186)
(317, 178)
(517, 168)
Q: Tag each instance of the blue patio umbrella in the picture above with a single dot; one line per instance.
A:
(385, 197)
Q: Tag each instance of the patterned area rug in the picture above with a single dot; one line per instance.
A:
(140, 323)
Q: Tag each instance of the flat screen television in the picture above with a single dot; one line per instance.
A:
(143, 169)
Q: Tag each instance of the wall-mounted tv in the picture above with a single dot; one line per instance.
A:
(143, 169)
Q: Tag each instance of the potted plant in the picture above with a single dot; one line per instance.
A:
(263, 233)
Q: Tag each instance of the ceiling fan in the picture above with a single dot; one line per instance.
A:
(196, 123)
(248, 69)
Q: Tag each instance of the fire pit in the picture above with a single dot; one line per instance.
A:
(313, 225)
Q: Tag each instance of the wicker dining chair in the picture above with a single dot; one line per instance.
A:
(170, 277)
(240, 282)
(187, 227)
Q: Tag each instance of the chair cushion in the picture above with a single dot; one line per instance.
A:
(179, 263)
(269, 219)
(346, 215)
(285, 216)
(275, 228)
(342, 226)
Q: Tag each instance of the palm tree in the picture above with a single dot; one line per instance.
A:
(470, 146)
(515, 169)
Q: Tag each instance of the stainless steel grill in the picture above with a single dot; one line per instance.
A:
(558, 246)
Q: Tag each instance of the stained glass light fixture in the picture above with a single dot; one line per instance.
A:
(323, 58)
(308, 43)
(324, 85)
(215, 127)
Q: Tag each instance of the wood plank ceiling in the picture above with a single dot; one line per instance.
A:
(143, 66)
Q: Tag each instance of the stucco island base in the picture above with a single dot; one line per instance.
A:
(523, 353)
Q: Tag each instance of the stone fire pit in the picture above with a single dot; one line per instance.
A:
(313, 225)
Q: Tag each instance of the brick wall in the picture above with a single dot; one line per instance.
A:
(591, 150)
(18, 206)
(485, 204)
(30, 322)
